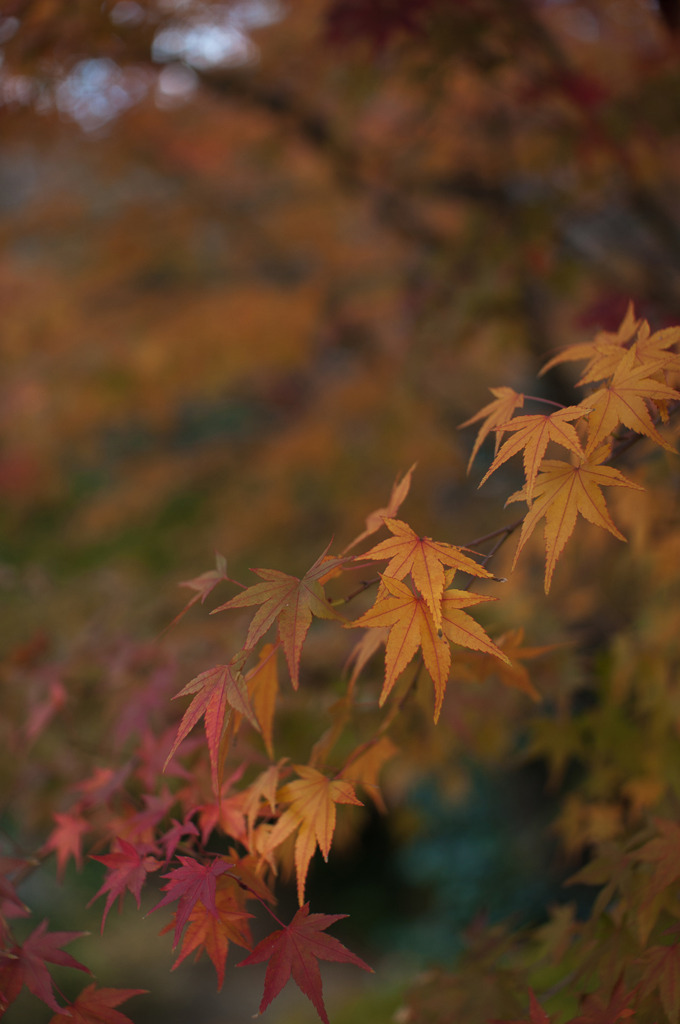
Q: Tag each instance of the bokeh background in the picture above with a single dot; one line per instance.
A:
(257, 258)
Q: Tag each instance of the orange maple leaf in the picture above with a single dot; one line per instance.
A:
(213, 932)
(412, 626)
(493, 414)
(623, 400)
(263, 787)
(263, 686)
(374, 520)
(533, 433)
(653, 348)
(290, 600)
(365, 765)
(219, 691)
(603, 352)
(561, 492)
(424, 559)
(311, 803)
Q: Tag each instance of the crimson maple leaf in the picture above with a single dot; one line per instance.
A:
(128, 867)
(219, 690)
(25, 964)
(95, 1006)
(292, 601)
(189, 884)
(295, 950)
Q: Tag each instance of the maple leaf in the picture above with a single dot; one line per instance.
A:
(264, 787)
(412, 626)
(623, 400)
(496, 412)
(95, 1006)
(26, 964)
(128, 867)
(363, 651)
(263, 686)
(203, 586)
(311, 799)
(295, 950)
(603, 352)
(662, 852)
(662, 972)
(424, 559)
(533, 434)
(219, 690)
(561, 492)
(537, 1014)
(653, 348)
(212, 932)
(66, 839)
(375, 519)
(514, 674)
(364, 767)
(292, 601)
(190, 883)
(175, 834)
(598, 1010)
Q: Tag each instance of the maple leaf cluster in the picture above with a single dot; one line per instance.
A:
(229, 815)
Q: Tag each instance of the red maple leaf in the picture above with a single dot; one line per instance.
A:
(128, 867)
(95, 1006)
(212, 933)
(66, 839)
(295, 950)
(26, 965)
(219, 691)
(189, 884)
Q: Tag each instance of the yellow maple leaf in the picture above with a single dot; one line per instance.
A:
(603, 352)
(496, 412)
(311, 803)
(562, 491)
(424, 559)
(624, 400)
(412, 626)
(533, 433)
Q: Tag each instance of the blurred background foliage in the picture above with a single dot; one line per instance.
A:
(257, 259)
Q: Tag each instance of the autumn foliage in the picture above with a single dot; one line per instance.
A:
(202, 759)
(229, 788)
